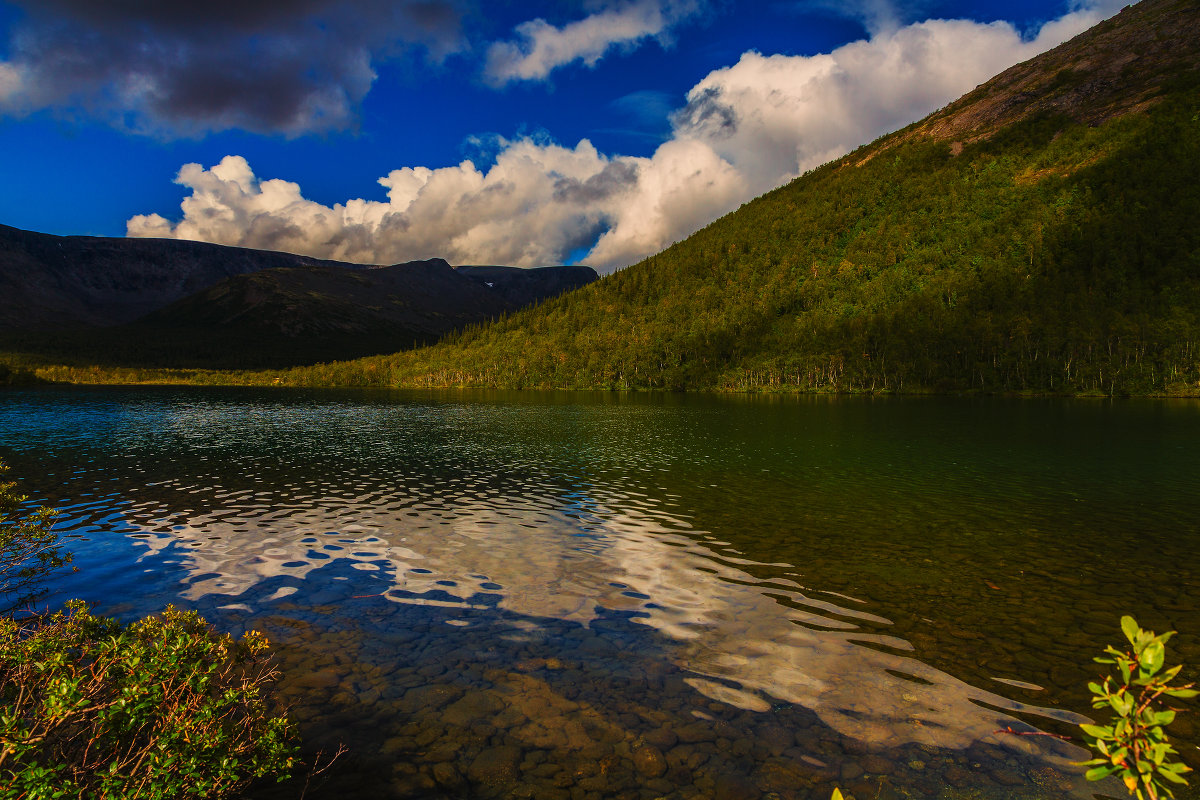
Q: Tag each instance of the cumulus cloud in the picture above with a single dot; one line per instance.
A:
(744, 130)
(536, 202)
(773, 117)
(541, 47)
(270, 66)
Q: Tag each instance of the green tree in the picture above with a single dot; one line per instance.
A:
(29, 549)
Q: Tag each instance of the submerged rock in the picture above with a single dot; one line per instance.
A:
(496, 765)
(649, 761)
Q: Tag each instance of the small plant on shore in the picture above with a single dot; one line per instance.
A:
(29, 550)
(1134, 745)
(162, 709)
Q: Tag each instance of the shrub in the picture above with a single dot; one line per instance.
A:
(29, 550)
(1134, 746)
(162, 709)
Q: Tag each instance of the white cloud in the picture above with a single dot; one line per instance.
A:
(535, 204)
(1083, 15)
(541, 47)
(773, 117)
(680, 189)
(745, 129)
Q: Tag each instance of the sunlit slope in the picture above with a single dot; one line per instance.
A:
(1041, 234)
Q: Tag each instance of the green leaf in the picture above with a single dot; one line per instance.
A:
(1182, 694)
(1153, 656)
(1171, 776)
(1164, 717)
(1097, 732)
(1130, 628)
(1099, 773)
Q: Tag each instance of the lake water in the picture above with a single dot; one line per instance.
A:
(577, 596)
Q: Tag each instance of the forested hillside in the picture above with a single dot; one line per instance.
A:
(1058, 252)
(1039, 235)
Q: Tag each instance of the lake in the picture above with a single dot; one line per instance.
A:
(579, 596)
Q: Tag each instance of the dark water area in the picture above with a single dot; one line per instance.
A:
(584, 596)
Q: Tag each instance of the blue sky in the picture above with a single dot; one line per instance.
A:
(594, 130)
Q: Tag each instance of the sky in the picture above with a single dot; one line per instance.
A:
(484, 132)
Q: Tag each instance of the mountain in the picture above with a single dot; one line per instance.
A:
(166, 302)
(308, 314)
(1038, 235)
(67, 281)
(523, 287)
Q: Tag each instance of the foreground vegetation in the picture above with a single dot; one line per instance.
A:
(29, 550)
(1134, 746)
(160, 709)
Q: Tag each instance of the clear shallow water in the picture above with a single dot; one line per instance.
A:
(591, 596)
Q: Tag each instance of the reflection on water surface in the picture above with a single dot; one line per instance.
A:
(599, 596)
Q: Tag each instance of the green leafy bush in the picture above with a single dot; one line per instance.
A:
(1134, 746)
(164, 708)
(29, 550)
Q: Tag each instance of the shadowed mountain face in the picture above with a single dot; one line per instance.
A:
(302, 315)
(420, 299)
(423, 298)
(180, 303)
(524, 287)
(297, 315)
(68, 281)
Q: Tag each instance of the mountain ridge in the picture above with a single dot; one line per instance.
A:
(1123, 70)
(50, 281)
(175, 302)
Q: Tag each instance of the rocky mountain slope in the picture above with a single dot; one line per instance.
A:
(1121, 65)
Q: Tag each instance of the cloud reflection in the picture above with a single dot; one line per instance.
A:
(749, 643)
